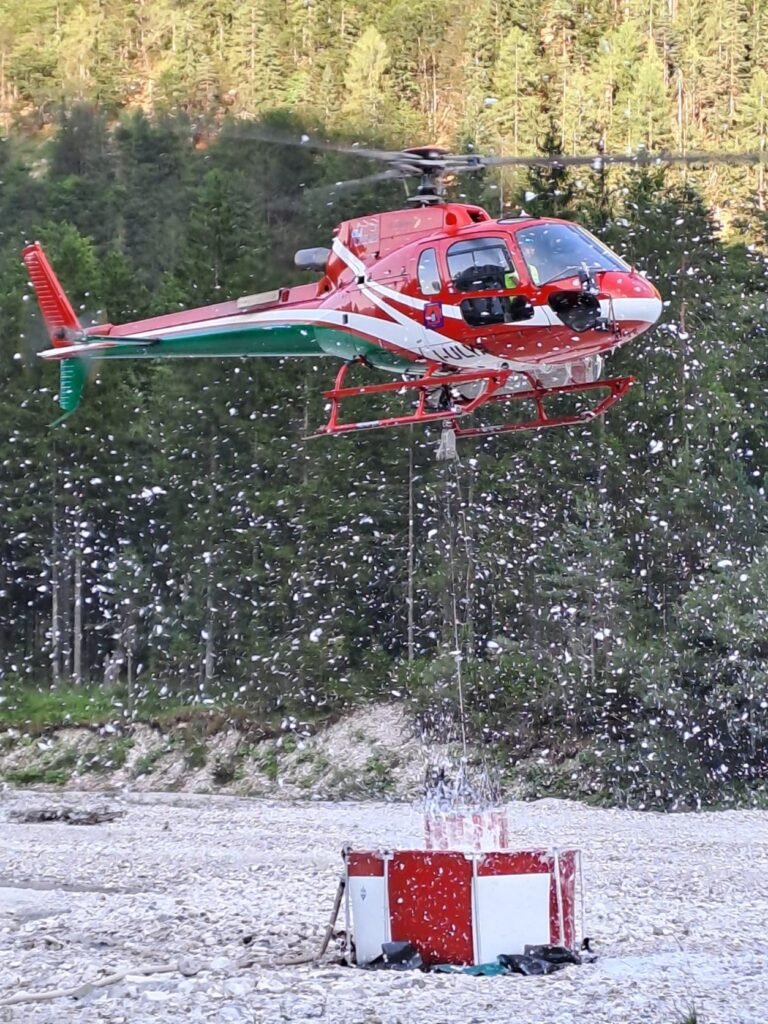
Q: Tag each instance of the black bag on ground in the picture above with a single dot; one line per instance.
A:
(553, 954)
(396, 956)
(524, 963)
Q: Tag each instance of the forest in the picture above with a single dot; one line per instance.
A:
(602, 591)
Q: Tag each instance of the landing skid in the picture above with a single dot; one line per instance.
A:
(437, 383)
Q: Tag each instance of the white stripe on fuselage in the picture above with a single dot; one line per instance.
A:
(346, 256)
(646, 310)
(449, 311)
(437, 347)
(358, 268)
(418, 341)
(400, 330)
(408, 335)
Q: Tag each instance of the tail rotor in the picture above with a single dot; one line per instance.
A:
(62, 324)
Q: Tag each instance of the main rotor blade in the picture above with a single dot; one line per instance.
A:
(395, 173)
(643, 158)
(330, 189)
(305, 141)
(409, 163)
(350, 183)
(397, 158)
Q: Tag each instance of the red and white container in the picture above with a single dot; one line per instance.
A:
(460, 907)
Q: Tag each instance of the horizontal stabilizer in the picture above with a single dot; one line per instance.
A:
(94, 345)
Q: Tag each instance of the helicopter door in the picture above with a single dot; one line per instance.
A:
(484, 268)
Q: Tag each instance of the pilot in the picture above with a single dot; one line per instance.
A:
(531, 257)
(546, 253)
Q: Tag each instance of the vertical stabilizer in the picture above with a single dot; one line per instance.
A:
(56, 308)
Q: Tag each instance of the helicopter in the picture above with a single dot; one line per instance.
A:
(464, 310)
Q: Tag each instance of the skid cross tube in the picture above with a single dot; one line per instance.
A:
(492, 381)
(492, 390)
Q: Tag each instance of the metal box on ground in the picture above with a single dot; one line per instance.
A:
(460, 907)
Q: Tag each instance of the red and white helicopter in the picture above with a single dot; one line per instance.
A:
(463, 309)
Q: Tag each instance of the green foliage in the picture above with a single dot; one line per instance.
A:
(269, 762)
(64, 759)
(691, 1017)
(37, 776)
(195, 754)
(377, 776)
(109, 756)
(117, 752)
(631, 74)
(35, 709)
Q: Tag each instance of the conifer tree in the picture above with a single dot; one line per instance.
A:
(364, 78)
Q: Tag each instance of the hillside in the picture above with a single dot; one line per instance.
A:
(372, 753)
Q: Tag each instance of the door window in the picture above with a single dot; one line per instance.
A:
(496, 309)
(482, 264)
(428, 273)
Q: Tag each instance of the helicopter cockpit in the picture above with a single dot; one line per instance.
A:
(555, 251)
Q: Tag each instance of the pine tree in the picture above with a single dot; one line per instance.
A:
(364, 79)
(612, 78)
(516, 111)
(647, 112)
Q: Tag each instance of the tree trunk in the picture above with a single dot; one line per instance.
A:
(210, 604)
(210, 652)
(77, 623)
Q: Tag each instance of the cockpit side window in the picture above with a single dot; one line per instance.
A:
(428, 273)
(481, 264)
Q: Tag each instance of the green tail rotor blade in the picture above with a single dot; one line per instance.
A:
(73, 374)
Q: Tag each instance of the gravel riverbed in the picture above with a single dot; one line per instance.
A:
(676, 907)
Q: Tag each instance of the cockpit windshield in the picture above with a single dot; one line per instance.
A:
(554, 251)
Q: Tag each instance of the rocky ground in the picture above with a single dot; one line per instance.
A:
(676, 906)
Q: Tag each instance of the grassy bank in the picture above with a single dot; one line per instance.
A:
(34, 711)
